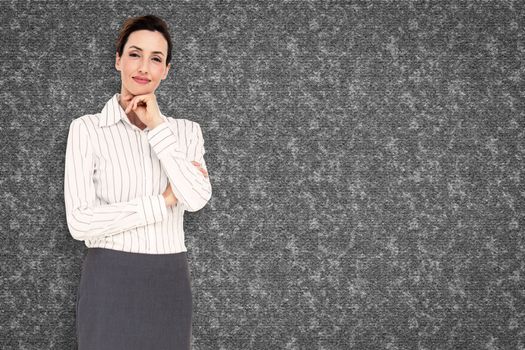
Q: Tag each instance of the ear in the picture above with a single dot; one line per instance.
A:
(166, 71)
(117, 62)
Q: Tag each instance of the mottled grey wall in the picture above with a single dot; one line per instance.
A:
(366, 161)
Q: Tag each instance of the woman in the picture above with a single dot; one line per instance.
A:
(130, 173)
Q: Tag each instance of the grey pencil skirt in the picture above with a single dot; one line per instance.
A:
(134, 301)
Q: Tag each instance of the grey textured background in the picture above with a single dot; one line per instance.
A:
(366, 161)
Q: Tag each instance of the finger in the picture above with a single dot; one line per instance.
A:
(130, 105)
(142, 101)
(198, 166)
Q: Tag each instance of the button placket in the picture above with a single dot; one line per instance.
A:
(148, 166)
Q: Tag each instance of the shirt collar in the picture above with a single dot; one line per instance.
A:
(113, 112)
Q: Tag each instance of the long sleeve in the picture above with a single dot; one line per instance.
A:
(86, 220)
(188, 183)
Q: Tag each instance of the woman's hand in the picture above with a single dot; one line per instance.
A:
(146, 108)
(198, 165)
(169, 196)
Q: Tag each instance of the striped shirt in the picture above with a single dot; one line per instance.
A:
(115, 174)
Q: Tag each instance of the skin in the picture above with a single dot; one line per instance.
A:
(139, 100)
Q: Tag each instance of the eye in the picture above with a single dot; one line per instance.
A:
(135, 55)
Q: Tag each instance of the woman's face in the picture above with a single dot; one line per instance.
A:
(144, 55)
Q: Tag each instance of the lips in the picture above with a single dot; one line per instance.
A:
(141, 80)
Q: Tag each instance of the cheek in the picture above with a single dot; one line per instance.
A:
(157, 72)
(128, 66)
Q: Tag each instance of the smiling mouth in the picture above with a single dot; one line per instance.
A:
(143, 81)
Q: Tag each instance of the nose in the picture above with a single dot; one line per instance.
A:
(144, 66)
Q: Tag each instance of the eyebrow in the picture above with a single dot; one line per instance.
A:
(138, 48)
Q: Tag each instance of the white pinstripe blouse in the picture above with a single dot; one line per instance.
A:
(115, 174)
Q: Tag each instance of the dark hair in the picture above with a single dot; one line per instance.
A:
(149, 22)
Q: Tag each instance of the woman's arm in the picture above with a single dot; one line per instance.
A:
(86, 220)
(188, 183)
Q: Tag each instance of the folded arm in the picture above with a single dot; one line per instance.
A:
(190, 186)
(86, 220)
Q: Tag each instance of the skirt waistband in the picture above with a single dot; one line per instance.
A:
(122, 258)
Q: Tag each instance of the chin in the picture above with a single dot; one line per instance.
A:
(137, 90)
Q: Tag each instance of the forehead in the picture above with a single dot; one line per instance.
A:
(148, 41)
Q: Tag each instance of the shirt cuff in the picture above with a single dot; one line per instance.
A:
(154, 208)
(162, 140)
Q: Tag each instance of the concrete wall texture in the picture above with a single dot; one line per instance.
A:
(366, 157)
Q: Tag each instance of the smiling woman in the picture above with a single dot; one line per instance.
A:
(143, 57)
(130, 174)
